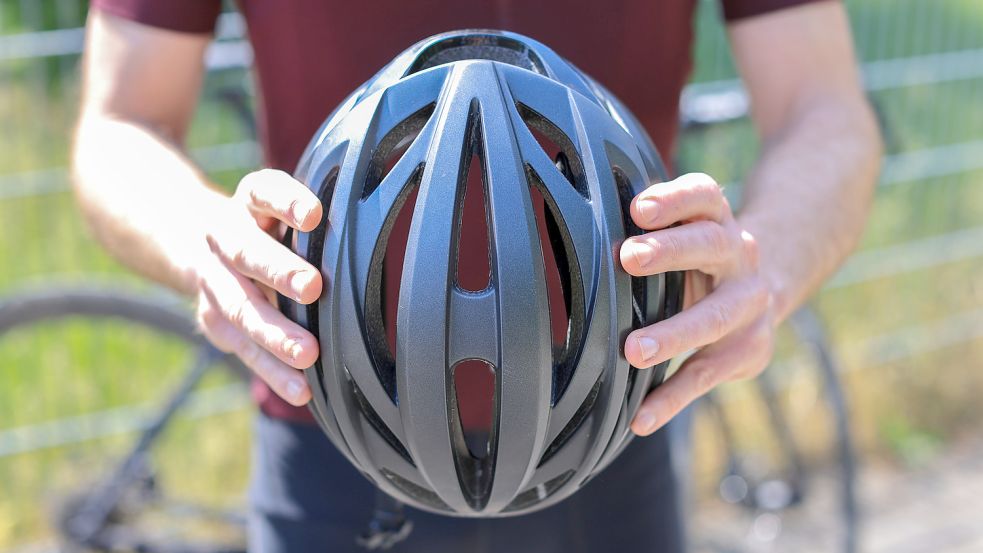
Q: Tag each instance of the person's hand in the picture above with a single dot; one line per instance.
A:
(247, 263)
(728, 309)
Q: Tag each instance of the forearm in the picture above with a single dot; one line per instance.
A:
(144, 200)
(822, 170)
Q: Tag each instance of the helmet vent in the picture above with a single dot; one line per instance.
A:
(638, 299)
(565, 293)
(473, 427)
(558, 147)
(392, 147)
(538, 493)
(365, 408)
(474, 391)
(473, 268)
(557, 277)
(421, 494)
(382, 289)
(478, 46)
(316, 251)
(573, 424)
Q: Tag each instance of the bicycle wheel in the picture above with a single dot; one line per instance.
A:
(784, 475)
(118, 431)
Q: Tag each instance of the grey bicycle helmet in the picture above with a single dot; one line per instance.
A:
(384, 388)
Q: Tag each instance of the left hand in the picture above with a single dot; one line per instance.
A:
(727, 307)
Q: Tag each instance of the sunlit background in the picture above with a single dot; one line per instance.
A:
(904, 316)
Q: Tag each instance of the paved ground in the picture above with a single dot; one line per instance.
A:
(936, 508)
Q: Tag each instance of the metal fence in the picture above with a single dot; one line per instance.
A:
(907, 309)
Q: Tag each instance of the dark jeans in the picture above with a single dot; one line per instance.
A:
(306, 497)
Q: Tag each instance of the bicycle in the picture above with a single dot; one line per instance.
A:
(109, 514)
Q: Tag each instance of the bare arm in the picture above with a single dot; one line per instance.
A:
(145, 201)
(155, 211)
(806, 202)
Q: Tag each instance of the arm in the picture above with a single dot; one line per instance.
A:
(144, 200)
(806, 202)
(156, 212)
(821, 147)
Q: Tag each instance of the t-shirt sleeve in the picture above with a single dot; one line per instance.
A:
(740, 9)
(187, 16)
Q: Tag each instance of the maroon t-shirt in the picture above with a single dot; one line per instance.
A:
(310, 54)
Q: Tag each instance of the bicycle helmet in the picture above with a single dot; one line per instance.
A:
(385, 387)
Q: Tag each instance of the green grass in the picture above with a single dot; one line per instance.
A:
(904, 409)
(76, 367)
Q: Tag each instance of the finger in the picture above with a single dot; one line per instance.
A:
(276, 194)
(258, 256)
(286, 382)
(702, 245)
(244, 306)
(691, 196)
(213, 325)
(732, 305)
(742, 355)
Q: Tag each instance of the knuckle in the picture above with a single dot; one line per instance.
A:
(673, 404)
(251, 187)
(726, 212)
(717, 320)
(749, 246)
(669, 247)
(246, 185)
(759, 294)
(704, 377)
(757, 352)
(238, 313)
(703, 186)
(252, 355)
(217, 341)
(718, 240)
(699, 180)
(708, 186)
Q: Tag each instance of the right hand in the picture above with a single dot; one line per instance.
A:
(236, 282)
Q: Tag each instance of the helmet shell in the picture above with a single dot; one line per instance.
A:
(560, 413)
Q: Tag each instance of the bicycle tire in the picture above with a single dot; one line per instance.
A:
(159, 312)
(793, 471)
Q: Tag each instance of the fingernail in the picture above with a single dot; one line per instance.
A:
(300, 212)
(641, 252)
(293, 348)
(294, 389)
(648, 346)
(647, 208)
(299, 281)
(645, 420)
